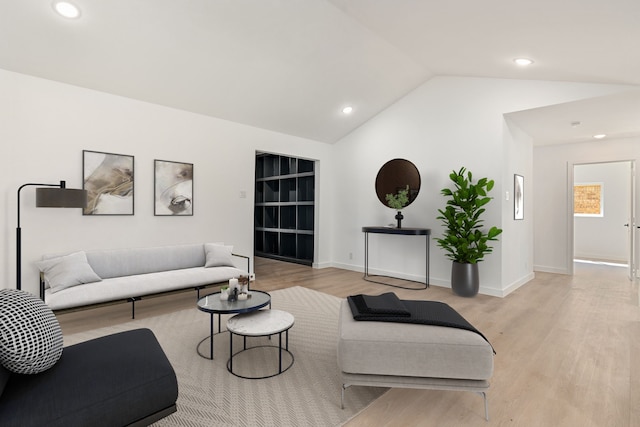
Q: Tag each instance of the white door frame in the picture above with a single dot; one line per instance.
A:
(633, 272)
(633, 267)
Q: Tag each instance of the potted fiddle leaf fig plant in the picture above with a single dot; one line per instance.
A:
(398, 201)
(465, 240)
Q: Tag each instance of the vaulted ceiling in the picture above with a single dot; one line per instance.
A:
(291, 66)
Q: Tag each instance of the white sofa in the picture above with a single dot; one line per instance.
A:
(81, 279)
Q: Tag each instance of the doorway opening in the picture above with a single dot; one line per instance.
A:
(603, 214)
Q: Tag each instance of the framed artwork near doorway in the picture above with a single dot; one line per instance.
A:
(518, 197)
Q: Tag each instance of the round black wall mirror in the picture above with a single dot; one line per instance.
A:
(394, 176)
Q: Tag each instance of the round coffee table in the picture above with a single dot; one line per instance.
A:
(260, 323)
(212, 304)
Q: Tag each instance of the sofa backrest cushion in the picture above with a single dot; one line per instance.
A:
(67, 271)
(127, 262)
(218, 255)
(30, 336)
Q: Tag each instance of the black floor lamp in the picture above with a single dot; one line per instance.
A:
(58, 197)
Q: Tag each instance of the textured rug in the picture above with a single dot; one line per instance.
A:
(308, 394)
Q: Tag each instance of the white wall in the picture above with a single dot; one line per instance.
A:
(517, 249)
(604, 237)
(552, 165)
(446, 123)
(44, 128)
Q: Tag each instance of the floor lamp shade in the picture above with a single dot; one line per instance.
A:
(60, 198)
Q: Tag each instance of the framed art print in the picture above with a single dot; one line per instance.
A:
(518, 197)
(173, 182)
(109, 181)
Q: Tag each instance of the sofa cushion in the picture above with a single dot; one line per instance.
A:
(119, 288)
(4, 378)
(218, 255)
(66, 271)
(114, 380)
(129, 262)
(30, 335)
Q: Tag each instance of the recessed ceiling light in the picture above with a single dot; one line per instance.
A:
(66, 9)
(599, 136)
(523, 61)
(347, 110)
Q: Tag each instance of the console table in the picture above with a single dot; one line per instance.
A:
(398, 231)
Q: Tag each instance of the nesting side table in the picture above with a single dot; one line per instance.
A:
(261, 323)
(212, 304)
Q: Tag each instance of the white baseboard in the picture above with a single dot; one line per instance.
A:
(545, 269)
(518, 283)
(434, 281)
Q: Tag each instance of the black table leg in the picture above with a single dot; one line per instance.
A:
(231, 352)
(211, 335)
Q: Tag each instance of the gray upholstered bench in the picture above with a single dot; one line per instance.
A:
(387, 354)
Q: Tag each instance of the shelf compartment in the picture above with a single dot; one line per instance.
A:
(259, 217)
(288, 245)
(288, 190)
(271, 166)
(271, 242)
(305, 217)
(271, 216)
(259, 192)
(287, 165)
(288, 217)
(306, 189)
(305, 246)
(305, 165)
(272, 190)
(259, 241)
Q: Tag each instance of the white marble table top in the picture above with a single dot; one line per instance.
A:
(260, 323)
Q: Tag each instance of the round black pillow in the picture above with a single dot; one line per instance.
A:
(30, 336)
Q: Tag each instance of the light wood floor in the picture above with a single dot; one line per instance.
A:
(568, 347)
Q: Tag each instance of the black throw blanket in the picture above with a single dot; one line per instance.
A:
(389, 308)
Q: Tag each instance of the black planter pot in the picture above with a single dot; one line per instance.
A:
(465, 279)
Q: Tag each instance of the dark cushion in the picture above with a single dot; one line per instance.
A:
(4, 378)
(110, 381)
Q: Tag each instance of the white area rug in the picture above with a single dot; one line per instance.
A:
(308, 394)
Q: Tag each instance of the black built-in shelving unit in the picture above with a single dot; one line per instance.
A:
(284, 208)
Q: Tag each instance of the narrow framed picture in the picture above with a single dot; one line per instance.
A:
(108, 179)
(518, 197)
(173, 183)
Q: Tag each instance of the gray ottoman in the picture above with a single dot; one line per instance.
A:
(387, 354)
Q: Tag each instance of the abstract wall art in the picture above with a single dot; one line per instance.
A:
(173, 182)
(109, 181)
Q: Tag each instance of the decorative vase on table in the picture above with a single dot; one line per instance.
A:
(399, 218)
(398, 201)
